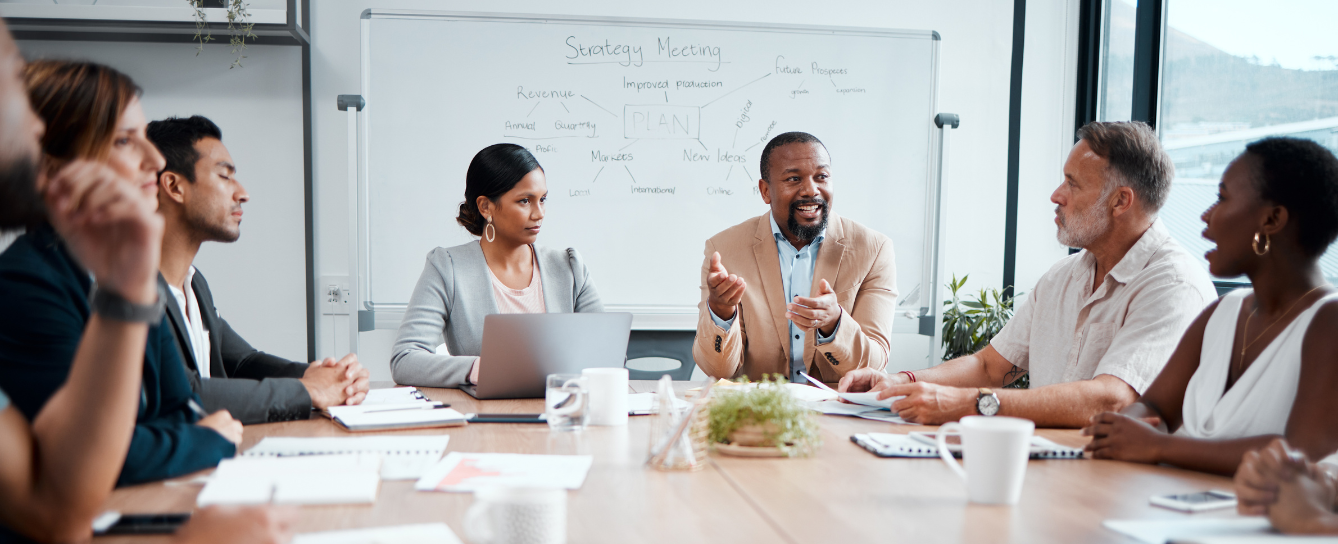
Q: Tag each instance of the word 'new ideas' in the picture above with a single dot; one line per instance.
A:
(579, 52)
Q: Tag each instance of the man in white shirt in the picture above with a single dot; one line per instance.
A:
(201, 200)
(1100, 324)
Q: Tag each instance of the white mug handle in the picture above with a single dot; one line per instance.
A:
(942, 436)
(580, 400)
(477, 525)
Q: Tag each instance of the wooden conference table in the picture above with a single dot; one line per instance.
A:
(841, 494)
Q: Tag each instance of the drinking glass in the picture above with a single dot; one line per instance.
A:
(566, 402)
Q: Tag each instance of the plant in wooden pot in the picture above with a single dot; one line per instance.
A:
(761, 419)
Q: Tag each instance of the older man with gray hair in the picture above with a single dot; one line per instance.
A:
(1100, 324)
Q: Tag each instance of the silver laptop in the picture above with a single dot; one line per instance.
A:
(521, 350)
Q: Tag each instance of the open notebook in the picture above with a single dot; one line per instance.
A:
(402, 457)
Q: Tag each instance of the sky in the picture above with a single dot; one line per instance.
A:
(1291, 31)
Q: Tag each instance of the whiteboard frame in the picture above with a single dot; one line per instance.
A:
(653, 317)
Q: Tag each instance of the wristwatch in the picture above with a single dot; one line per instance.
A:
(987, 403)
(113, 306)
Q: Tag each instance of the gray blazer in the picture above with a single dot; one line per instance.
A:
(452, 297)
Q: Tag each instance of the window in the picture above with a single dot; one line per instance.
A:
(1232, 72)
(1116, 88)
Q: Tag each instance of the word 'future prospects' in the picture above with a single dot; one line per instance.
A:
(633, 55)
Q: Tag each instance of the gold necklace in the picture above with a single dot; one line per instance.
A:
(1246, 330)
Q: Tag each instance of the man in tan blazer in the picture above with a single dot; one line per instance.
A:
(798, 289)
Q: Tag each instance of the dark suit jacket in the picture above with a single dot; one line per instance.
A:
(254, 386)
(45, 294)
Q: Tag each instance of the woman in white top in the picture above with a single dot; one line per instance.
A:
(1257, 364)
(503, 272)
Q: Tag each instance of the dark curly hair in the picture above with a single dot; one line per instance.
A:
(1302, 176)
(493, 172)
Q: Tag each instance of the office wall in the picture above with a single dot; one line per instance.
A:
(259, 282)
(974, 82)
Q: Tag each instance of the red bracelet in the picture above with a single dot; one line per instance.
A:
(909, 373)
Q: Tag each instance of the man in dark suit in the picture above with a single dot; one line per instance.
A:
(201, 200)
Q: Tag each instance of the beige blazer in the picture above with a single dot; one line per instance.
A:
(859, 264)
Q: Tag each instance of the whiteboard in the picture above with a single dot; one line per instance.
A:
(649, 131)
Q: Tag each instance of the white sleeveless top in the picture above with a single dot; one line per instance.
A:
(1260, 402)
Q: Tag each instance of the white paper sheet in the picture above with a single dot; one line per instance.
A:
(1159, 531)
(317, 479)
(426, 533)
(403, 457)
(393, 395)
(465, 472)
(838, 408)
(809, 393)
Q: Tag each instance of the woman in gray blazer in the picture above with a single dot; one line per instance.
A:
(503, 272)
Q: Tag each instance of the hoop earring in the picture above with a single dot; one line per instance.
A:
(1255, 245)
(489, 231)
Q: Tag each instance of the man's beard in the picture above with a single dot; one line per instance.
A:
(210, 231)
(20, 203)
(1083, 228)
(802, 232)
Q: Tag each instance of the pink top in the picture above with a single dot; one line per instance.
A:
(529, 300)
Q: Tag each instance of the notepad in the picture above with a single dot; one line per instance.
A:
(902, 445)
(1186, 529)
(319, 479)
(402, 457)
(466, 472)
(424, 533)
(375, 418)
(640, 404)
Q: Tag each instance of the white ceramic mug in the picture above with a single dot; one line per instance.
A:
(607, 389)
(995, 452)
(517, 515)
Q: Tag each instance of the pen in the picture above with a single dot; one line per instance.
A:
(195, 407)
(398, 408)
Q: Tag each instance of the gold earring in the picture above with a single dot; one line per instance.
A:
(1255, 245)
(489, 231)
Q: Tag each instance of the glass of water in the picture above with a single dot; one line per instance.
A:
(565, 402)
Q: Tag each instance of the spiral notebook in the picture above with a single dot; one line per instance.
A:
(403, 457)
(901, 445)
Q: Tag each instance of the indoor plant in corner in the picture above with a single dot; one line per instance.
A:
(761, 419)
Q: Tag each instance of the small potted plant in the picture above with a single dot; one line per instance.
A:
(762, 420)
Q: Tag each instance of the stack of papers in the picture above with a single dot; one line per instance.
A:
(393, 395)
(322, 479)
(640, 404)
(466, 472)
(426, 533)
(409, 415)
(402, 457)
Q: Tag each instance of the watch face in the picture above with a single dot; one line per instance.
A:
(988, 405)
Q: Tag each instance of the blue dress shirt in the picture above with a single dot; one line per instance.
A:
(796, 270)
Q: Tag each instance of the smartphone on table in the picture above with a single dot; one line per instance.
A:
(1196, 502)
(116, 523)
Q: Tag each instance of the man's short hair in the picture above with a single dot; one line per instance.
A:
(176, 138)
(1302, 176)
(1136, 158)
(780, 140)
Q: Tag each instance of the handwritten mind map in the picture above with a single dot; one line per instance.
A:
(650, 136)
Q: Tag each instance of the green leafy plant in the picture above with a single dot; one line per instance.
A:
(969, 325)
(787, 423)
(240, 27)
